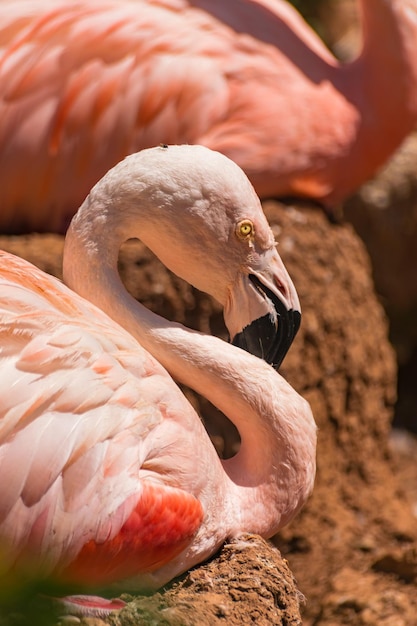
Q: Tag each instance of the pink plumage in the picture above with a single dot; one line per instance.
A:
(82, 84)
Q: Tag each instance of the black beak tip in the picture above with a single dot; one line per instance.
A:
(290, 329)
(266, 340)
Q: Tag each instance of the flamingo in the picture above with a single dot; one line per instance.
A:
(82, 84)
(107, 473)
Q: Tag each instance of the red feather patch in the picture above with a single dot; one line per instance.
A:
(160, 527)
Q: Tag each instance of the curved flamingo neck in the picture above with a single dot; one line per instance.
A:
(380, 91)
(275, 465)
(276, 460)
(388, 55)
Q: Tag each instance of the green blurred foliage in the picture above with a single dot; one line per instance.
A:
(29, 609)
(308, 8)
(311, 10)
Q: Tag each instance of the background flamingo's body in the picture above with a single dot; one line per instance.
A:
(107, 472)
(83, 84)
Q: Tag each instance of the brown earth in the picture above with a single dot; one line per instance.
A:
(353, 549)
(384, 214)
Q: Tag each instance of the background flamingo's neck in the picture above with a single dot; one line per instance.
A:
(387, 69)
(381, 87)
(389, 56)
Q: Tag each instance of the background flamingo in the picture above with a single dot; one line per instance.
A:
(82, 84)
(107, 472)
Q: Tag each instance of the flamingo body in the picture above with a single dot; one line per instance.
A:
(107, 471)
(83, 84)
(64, 452)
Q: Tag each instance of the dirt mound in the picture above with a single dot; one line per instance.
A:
(384, 214)
(246, 583)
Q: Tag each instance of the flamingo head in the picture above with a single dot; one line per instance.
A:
(263, 314)
(198, 212)
(223, 245)
(262, 310)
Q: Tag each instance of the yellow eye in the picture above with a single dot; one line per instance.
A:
(245, 229)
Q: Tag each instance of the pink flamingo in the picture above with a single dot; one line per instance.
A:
(82, 84)
(107, 473)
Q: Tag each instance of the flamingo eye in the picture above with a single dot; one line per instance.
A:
(245, 229)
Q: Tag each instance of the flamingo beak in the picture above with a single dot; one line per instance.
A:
(263, 315)
(270, 336)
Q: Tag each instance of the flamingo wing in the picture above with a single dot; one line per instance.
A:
(79, 410)
(83, 85)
